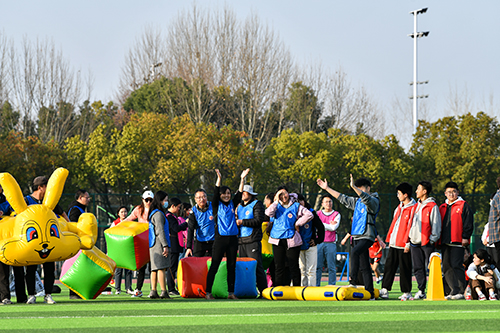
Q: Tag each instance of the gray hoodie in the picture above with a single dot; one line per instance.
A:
(372, 203)
(434, 220)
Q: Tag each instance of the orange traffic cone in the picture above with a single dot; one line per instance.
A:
(435, 289)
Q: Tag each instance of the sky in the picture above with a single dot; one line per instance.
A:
(368, 39)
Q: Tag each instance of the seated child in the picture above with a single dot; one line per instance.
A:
(482, 276)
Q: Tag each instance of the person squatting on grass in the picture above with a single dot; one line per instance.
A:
(366, 207)
(482, 276)
(226, 234)
(399, 245)
(288, 216)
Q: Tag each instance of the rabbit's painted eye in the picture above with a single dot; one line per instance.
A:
(31, 234)
(54, 232)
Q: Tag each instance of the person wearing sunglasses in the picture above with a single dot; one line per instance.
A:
(140, 214)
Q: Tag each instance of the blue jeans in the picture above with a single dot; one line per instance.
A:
(328, 251)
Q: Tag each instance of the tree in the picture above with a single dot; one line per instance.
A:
(41, 80)
(26, 158)
(9, 119)
(211, 50)
(302, 108)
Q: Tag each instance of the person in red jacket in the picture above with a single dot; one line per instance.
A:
(399, 244)
(456, 229)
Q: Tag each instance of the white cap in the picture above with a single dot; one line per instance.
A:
(148, 194)
(249, 189)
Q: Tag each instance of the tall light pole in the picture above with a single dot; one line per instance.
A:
(415, 35)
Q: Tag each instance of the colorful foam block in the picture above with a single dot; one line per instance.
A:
(192, 276)
(267, 249)
(245, 281)
(88, 273)
(128, 244)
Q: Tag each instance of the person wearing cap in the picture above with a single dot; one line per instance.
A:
(251, 215)
(141, 214)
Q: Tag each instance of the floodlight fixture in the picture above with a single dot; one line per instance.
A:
(416, 35)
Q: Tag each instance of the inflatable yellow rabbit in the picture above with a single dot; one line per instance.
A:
(36, 235)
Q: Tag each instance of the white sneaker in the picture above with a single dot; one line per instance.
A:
(406, 297)
(352, 286)
(383, 293)
(137, 293)
(419, 295)
(7, 301)
(379, 279)
(31, 299)
(457, 297)
(48, 299)
(117, 292)
(130, 292)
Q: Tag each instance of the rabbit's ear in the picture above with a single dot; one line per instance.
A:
(13, 192)
(55, 188)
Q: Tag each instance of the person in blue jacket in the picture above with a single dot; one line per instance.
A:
(226, 234)
(366, 207)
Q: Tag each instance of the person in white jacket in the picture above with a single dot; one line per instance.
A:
(424, 233)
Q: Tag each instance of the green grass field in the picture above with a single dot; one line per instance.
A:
(123, 313)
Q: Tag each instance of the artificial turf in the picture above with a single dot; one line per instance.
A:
(123, 313)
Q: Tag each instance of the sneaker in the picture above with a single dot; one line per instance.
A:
(492, 297)
(352, 286)
(458, 296)
(482, 297)
(379, 279)
(137, 293)
(153, 294)
(209, 296)
(40, 293)
(118, 292)
(174, 293)
(406, 297)
(48, 299)
(232, 296)
(419, 295)
(164, 294)
(384, 294)
(130, 292)
(31, 299)
(6, 301)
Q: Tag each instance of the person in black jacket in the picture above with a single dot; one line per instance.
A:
(250, 218)
(175, 248)
(79, 205)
